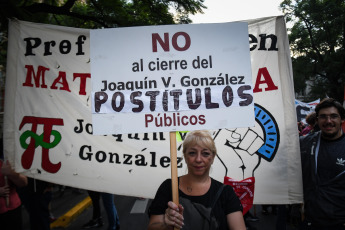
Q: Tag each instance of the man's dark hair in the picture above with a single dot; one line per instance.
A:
(330, 102)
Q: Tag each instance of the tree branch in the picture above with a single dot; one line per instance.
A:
(313, 45)
(61, 10)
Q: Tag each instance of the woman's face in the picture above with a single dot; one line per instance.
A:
(199, 160)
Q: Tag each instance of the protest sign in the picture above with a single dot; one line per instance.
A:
(171, 78)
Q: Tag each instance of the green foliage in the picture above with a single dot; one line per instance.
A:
(99, 13)
(317, 43)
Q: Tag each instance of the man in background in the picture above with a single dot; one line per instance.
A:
(323, 168)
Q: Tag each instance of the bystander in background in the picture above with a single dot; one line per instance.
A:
(109, 206)
(36, 197)
(323, 169)
(10, 203)
(311, 121)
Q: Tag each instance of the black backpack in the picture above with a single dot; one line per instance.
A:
(197, 216)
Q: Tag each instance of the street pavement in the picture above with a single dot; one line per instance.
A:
(73, 209)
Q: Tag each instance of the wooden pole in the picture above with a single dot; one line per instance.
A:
(173, 160)
(7, 197)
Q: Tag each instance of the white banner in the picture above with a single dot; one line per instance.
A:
(304, 108)
(48, 127)
(171, 78)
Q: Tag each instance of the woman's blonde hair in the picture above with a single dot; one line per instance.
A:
(199, 137)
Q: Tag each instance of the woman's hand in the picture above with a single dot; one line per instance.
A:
(174, 215)
(17, 178)
(4, 191)
(6, 169)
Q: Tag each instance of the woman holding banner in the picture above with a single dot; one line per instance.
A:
(10, 203)
(203, 200)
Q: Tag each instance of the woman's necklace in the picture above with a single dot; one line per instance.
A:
(190, 189)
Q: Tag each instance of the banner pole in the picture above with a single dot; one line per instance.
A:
(173, 160)
(7, 197)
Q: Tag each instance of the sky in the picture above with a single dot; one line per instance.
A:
(235, 10)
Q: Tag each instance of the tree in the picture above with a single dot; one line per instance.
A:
(317, 44)
(100, 13)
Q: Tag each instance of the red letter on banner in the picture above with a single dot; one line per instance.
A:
(266, 80)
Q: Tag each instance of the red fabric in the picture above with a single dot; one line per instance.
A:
(306, 130)
(244, 189)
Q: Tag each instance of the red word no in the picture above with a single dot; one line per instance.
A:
(156, 38)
